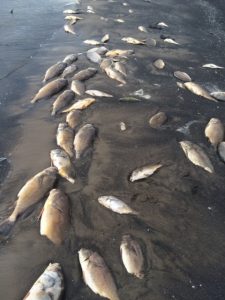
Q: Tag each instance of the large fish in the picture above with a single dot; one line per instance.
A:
(69, 71)
(121, 68)
(62, 100)
(55, 217)
(78, 87)
(114, 74)
(159, 64)
(81, 104)
(84, 139)
(55, 70)
(214, 131)
(97, 275)
(31, 193)
(158, 119)
(144, 172)
(119, 52)
(85, 74)
(62, 162)
(73, 118)
(182, 76)
(65, 137)
(70, 58)
(94, 57)
(116, 205)
(198, 90)
(197, 156)
(132, 256)
(131, 40)
(50, 89)
(49, 285)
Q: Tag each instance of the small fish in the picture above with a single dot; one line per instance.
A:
(69, 28)
(197, 156)
(144, 172)
(72, 11)
(78, 87)
(69, 71)
(218, 95)
(91, 42)
(158, 120)
(84, 138)
(123, 126)
(125, 4)
(182, 76)
(198, 90)
(119, 20)
(85, 74)
(96, 93)
(162, 25)
(62, 100)
(55, 217)
(159, 64)
(132, 256)
(100, 50)
(50, 89)
(181, 85)
(170, 41)
(73, 118)
(96, 274)
(212, 66)
(72, 19)
(54, 70)
(134, 41)
(221, 151)
(116, 205)
(64, 138)
(49, 285)
(81, 104)
(130, 11)
(70, 58)
(105, 38)
(120, 68)
(119, 52)
(60, 159)
(214, 131)
(143, 29)
(106, 63)
(90, 9)
(94, 57)
(114, 74)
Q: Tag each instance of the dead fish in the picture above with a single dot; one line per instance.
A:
(181, 85)
(96, 274)
(96, 93)
(158, 119)
(50, 89)
(60, 159)
(68, 28)
(105, 38)
(54, 70)
(121, 68)
(119, 20)
(106, 63)
(78, 87)
(85, 74)
(132, 256)
(212, 66)
(69, 71)
(49, 285)
(84, 139)
(70, 11)
(70, 58)
(142, 29)
(73, 118)
(159, 64)
(64, 138)
(198, 90)
(133, 41)
(119, 52)
(114, 74)
(94, 57)
(214, 131)
(31, 193)
(100, 50)
(170, 41)
(81, 104)
(218, 95)
(182, 76)
(144, 172)
(197, 156)
(92, 42)
(55, 217)
(62, 100)
(116, 205)
(123, 126)
(72, 19)
(221, 150)
(125, 4)
(162, 25)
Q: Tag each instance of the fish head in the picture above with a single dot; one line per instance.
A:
(103, 199)
(84, 254)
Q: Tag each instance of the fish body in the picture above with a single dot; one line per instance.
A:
(70, 58)
(94, 57)
(55, 70)
(120, 68)
(212, 66)
(31, 193)
(73, 118)
(50, 89)
(218, 96)
(100, 50)
(105, 38)
(132, 256)
(144, 172)
(69, 28)
(69, 71)
(116, 205)
(159, 64)
(182, 76)
(81, 104)
(92, 42)
(123, 126)
(170, 41)
(96, 93)
(62, 100)
(106, 63)
(72, 11)
(64, 138)
(84, 139)
(198, 90)
(55, 217)
(158, 120)
(85, 74)
(114, 74)
(221, 150)
(142, 29)
(197, 156)
(119, 52)
(73, 19)
(62, 162)
(214, 131)
(96, 274)
(119, 20)
(134, 41)
(78, 87)
(49, 285)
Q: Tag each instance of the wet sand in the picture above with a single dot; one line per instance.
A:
(181, 223)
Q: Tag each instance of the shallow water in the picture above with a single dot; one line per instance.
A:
(181, 223)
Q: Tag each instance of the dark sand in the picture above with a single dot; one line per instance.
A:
(181, 224)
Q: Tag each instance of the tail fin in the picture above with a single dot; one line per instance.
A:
(6, 226)
(70, 179)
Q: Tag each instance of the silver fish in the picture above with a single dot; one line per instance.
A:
(143, 29)
(92, 42)
(198, 90)
(62, 100)
(159, 64)
(96, 93)
(182, 76)
(55, 70)
(69, 28)
(121, 68)
(214, 131)
(64, 138)
(70, 58)
(131, 40)
(94, 57)
(105, 38)
(218, 95)
(116, 205)
(170, 41)
(212, 66)
(85, 74)
(73, 118)
(144, 172)
(158, 120)
(114, 74)
(106, 63)
(69, 71)
(78, 87)
(84, 138)
(81, 104)
(123, 126)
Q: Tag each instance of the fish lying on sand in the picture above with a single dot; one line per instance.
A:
(70, 58)
(131, 40)
(159, 64)
(144, 172)
(73, 118)
(85, 74)
(158, 119)
(116, 205)
(81, 104)
(198, 90)
(69, 28)
(182, 76)
(84, 139)
(96, 93)
(221, 151)
(69, 71)
(62, 100)
(64, 138)
(55, 70)
(214, 131)
(78, 87)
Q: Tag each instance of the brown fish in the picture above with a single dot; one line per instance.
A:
(159, 64)
(214, 131)
(114, 74)
(62, 100)
(107, 62)
(55, 70)
(55, 217)
(78, 87)
(31, 193)
(73, 118)
(198, 90)
(83, 139)
(97, 275)
(158, 119)
(65, 137)
(119, 52)
(70, 58)
(69, 71)
(85, 74)
(120, 68)
(50, 89)
(81, 104)
(182, 76)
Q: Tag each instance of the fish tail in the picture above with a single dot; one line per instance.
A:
(70, 179)
(6, 226)
(33, 100)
